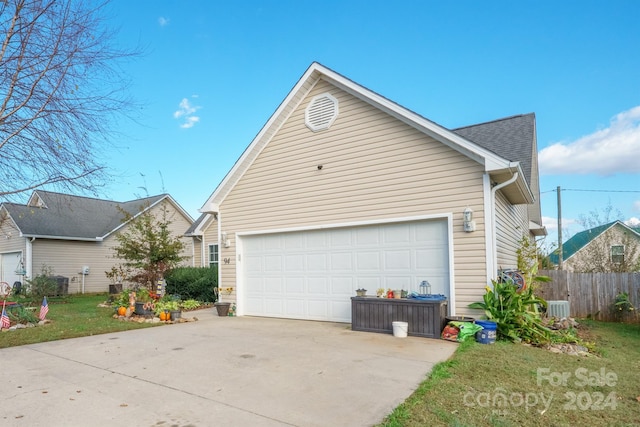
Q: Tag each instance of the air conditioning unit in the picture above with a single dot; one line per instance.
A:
(558, 309)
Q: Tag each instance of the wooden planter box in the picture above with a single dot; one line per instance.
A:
(425, 318)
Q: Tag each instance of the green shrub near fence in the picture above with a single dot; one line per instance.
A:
(193, 283)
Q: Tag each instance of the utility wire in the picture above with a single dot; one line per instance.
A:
(592, 191)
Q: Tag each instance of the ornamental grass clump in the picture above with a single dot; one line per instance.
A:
(517, 314)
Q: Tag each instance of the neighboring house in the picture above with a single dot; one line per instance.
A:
(612, 247)
(204, 232)
(345, 189)
(68, 233)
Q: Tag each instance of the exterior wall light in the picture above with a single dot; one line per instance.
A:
(468, 224)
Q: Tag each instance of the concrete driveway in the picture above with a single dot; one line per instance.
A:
(242, 371)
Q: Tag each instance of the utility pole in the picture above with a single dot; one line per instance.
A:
(559, 228)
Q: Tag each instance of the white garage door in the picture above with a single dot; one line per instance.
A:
(9, 263)
(313, 274)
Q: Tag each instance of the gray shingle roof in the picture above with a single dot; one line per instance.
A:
(511, 138)
(67, 216)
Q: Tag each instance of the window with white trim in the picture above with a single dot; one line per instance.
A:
(213, 255)
(617, 254)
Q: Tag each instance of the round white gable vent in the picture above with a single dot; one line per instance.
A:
(321, 112)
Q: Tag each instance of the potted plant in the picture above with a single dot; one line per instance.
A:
(170, 306)
(144, 305)
(223, 307)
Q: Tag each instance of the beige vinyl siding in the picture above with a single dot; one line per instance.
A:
(373, 167)
(511, 224)
(10, 240)
(66, 257)
(210, 237)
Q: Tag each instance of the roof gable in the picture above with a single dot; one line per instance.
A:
(501, 168)
(64, 216)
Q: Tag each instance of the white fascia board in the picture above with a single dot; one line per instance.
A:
(80, 239)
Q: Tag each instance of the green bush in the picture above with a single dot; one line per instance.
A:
(516, 313)
(193, 283)
(43, 284)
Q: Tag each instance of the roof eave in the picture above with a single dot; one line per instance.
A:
(50, 237)
(517, 193)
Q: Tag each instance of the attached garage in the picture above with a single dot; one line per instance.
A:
(312, 274)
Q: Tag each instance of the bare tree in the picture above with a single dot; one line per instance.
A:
(61, 92)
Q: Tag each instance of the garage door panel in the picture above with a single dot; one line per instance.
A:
(294, 262)
(341, 311)
(273, 285)
(317, 261)
(369, 283)
(341, 261)
(341, 239)
(273, 263)
(294, 285)
(313, 274)
(397, 260)
(368, 237)
(399, 233)
(295, 307)
(342, 286)
(318, 309)
(368, 261)
(318, 285)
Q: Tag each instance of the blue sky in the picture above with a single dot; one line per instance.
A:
(213, 72)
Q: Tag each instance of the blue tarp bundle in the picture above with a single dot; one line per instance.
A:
(427, 297)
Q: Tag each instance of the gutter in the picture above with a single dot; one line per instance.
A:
(494, 240)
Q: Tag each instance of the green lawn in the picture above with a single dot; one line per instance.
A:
(71, 316)
(515, 385)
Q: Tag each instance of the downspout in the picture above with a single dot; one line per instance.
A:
(29, 256)
(494, 239)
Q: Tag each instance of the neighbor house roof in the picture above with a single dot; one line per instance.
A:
(583, 238)
(500, 168)
(64, 216)
(196, 227)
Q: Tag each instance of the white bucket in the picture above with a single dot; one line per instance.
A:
(400, 329)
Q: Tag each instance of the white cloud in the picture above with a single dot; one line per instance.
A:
(552, 223)
(163, 21)
(189, 122)
(186, 112)
(633, 222)
(605, 152)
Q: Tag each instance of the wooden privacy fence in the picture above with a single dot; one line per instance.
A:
(590, 294)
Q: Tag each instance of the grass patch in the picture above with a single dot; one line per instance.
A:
(516, 385)
(71, 316)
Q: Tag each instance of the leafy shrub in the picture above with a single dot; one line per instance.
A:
(516, 313)
(43, 284)
(196, 283)
(622, 307)
(190, 304)
(22, 315)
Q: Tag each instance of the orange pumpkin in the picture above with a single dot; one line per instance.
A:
(164, 315)
(122, 311)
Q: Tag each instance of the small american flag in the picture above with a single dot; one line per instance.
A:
(44, 309)
(6, 323)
